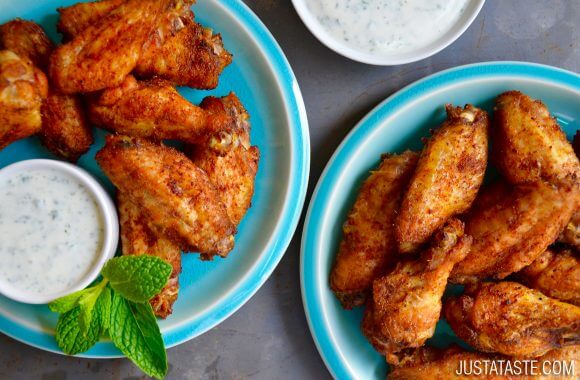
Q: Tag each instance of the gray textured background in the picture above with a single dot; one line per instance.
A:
(269, 338)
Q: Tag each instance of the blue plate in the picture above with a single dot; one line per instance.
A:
(393, 126)
(210, 291)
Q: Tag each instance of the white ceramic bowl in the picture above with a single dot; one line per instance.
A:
(390, 59)
(108, 214)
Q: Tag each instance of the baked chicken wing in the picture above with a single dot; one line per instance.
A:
(22, 88)
(104, 53)
(139, 238)
(406, 302)
(448, 176)
(28, 40)
(556, 274)
(529, 144)
(512, 226)
(368, 247)
(154, 109)
(174, 194)
(513, 320)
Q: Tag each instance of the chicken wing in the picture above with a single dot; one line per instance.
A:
(368, 247)
(22, 88)
(76, 18)
(234, 172)
(556, 274)
(448, 176)
(104, 53)
(154, 109)
(28, 40)
(528, 143)
(139, 238)
(176, 195)
(406, 303)
(512, 320)
(511, 227)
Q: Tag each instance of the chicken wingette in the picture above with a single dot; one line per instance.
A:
(175, 195)
(139, 238)
(406, 302)
(368, 248)
(556, 274)
(513, 320)
(448, 176)
(511, 227)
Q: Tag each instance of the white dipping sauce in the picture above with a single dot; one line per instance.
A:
(387, 26)
(51, 231)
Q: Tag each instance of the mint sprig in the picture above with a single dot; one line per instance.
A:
(118, 304)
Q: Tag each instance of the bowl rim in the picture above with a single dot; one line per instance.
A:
(427, 51)
(109, 217)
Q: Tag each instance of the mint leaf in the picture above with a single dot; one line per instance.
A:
(137, 278)
(87, 303)
(66, 303)
(104, 306)
(133, 329)
(69, 336)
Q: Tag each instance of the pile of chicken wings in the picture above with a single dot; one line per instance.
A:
(423, 220)
(117, 69)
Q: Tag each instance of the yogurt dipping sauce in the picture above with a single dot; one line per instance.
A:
(51, 231)
(387, 26)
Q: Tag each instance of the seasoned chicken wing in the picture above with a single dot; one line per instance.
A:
(22, 88)
(448, 176)
(176, 195)
(154, 109)
(76, 18)
(512, 320)
(511, 227)
(556, 274)
(406, 302)
(529, 144)
(368, 248)
(139, 238)
(104, 53)
(28, 40)
(232, 173)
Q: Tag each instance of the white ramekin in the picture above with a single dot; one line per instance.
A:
(109, 217)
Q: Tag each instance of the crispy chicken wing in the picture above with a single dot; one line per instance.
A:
(448, 176)
(28, 40)
(556, 274)
(22, 88)
(154, 109)
(139, 238)
(511, 227)
(104, 53)
(368, 247)
(176, 195)
(512, 320)
(232, 173)
(529, 144)
(76, 18)
(406, 302)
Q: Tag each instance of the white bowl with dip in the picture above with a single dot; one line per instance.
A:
(386, 32)
(58, 227)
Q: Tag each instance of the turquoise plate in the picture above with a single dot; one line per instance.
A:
(393, 126)
(210, 291)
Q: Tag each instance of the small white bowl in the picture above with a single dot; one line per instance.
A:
(110, 228)
(388, 59)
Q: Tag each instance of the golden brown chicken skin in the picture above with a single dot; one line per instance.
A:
(232, 173)
(22, 89)
(448, 176)
(513, 320)
(28, 40)
(104, 53)
(556, 274)
(154, 109)
(368, 247)
(177, 196)
(139, 238)
(406, 302)
(528, 143)
(76, 18)
(511, 227)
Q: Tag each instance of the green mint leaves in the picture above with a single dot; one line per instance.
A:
(118, 304)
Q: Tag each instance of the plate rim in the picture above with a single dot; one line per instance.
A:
(369, 123)
(286, 225)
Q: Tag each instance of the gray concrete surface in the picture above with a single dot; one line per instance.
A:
(269, 338)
